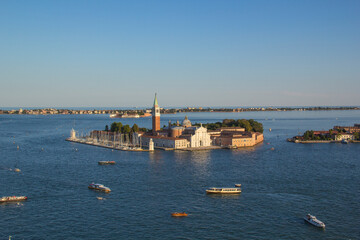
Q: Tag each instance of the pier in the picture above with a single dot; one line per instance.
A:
(116, 141)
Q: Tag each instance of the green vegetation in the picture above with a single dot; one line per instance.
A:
(357, 136)
(249, 125)
(118, 127)
(135, 128)
(310, 136)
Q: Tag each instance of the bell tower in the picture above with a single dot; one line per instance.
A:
(155, 116)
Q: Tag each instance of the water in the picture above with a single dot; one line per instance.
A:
(279, 187)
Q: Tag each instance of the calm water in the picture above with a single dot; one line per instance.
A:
(279, 187)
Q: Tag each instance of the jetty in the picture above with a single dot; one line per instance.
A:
(122, 142)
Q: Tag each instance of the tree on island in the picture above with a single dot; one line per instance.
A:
(357, 136)
(249, 125)
(126, 129)
(116, 127)
(135, 128)
(309, 135)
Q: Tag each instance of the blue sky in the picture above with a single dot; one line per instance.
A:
(192, 53)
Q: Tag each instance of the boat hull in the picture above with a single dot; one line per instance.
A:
(12, 199)
(101, 190)
(106, 162)
(316, 224)
(223, 191)
(179, 214)
(214, 192)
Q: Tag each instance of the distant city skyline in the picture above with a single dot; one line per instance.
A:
(191, 53)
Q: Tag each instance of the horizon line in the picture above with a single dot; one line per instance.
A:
(180, 107)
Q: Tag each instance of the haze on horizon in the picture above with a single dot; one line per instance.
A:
(192, 53)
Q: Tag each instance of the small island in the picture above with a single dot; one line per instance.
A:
(343, 134)
(229, 133)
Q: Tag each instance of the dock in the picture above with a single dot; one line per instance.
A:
(105, 145)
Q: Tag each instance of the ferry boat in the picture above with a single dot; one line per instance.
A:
(314, 221)
(99, 187)
(106, 162)
(13, 199)
(130, 115)
(177, 214)
(223, 190)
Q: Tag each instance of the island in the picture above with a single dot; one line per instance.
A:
(229, 134)
(342, 134)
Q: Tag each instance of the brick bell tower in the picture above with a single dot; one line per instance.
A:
(155, 116)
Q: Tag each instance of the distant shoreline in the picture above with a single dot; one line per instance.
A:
(54, 111)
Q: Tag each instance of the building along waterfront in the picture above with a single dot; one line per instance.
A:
(187, 136)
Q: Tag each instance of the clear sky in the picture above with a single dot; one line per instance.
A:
(192, 53)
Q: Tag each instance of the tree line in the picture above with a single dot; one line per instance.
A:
(250, 125)
(118, 127)
(309, 135)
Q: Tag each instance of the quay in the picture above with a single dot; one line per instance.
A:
(123, 142)
(104, 145)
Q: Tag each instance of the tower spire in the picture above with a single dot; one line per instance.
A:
(156, 101)
(155, 116)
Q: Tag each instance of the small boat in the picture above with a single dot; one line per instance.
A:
(106, 162)
(17, 170)
(178, 214)
(344, 141)
(99, 187)
(13, 199)
(100, 198)
(238, 185)
(223, 190)
(314, 221)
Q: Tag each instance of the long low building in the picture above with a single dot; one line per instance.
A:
(235, 137)
(164, 142)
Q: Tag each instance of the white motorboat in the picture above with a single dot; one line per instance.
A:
(223, 190)
(314, 221)
(99, 187)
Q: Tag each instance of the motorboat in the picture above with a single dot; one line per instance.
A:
(178, 214)
(13, 199)
(223, 190)
(344, 141)
(106, 162)
(314, 221)
(99, 187)
(237, 185)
